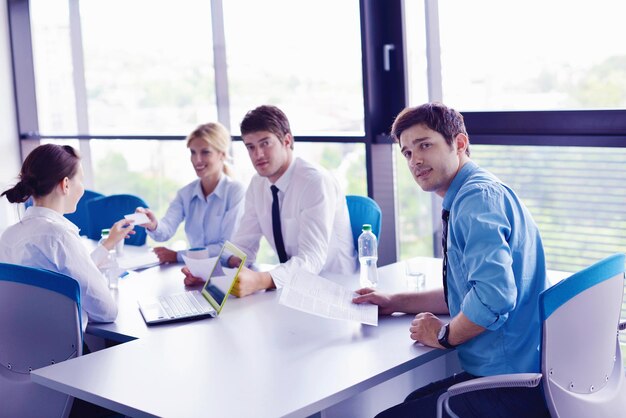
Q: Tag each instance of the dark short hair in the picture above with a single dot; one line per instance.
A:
(42, 170)
(266, 118)
(436, 116)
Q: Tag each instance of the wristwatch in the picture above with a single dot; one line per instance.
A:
(442, 337)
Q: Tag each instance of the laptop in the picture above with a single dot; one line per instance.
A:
(196, 304)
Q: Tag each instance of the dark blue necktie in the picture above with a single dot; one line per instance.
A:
(445, 215)
(278, 234)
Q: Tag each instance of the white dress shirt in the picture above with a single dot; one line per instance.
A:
(314, 221)
(209, 221)
(46, 239)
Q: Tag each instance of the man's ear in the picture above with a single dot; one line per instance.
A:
(462, 142)
(288, 140)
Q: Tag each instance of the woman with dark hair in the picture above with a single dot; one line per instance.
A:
(44, 238)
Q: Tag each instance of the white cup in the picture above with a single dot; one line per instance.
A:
(198, 253)
(415, 277)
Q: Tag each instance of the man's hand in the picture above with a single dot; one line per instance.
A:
(249, 281)
(384, 301)
(165, 255)
(190, 280)
(425, 329)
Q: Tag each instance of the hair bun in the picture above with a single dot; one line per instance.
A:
(20, 192)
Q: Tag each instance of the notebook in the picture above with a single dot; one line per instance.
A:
(195, 304)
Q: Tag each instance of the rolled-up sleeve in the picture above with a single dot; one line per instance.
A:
(483, 223)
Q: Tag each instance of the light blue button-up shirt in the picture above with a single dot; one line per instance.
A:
(496, 271)
(208, 222)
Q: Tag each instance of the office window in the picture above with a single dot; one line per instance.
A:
(52, 60)
(414, 206)
(304, 57)
(148, 66)
(533, 55)
(415, 219)
(576, 196)
(415, 45)
(156, 170)
(346, 162)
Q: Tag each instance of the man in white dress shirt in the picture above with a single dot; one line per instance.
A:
(310, 216)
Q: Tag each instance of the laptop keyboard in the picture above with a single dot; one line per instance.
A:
(182, 304)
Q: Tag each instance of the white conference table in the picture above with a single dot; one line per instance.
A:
(257, 359)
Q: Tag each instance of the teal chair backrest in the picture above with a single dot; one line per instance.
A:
(581, 356)
(363, 210)
(40, 324)
(106, 210)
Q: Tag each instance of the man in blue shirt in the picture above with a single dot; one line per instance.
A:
(493, 272)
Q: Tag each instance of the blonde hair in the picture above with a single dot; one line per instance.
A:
(216, 135)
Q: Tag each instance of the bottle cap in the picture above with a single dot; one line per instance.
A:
(367, 227)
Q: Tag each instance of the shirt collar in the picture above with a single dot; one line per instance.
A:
(467, 170)
(53, 215)
(283, 182)
(219, 189)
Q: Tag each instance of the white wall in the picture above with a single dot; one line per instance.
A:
(10, 161)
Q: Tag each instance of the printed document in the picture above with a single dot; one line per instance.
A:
(137, 260)
(319, 296)
(202, 268)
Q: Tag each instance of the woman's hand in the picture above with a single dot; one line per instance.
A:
(120, 230)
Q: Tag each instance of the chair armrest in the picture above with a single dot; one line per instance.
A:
(621, 326)
(518, 380)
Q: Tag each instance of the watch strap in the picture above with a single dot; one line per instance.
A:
(443, 341)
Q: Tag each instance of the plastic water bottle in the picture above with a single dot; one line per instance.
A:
(104, 234)
(368, 257)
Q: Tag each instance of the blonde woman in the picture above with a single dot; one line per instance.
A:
(211, 206)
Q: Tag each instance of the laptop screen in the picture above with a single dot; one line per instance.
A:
(222, 278)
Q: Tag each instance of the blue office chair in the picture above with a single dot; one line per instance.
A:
(106, 210)
(40, 324)
(363, 210)
(80, 218)
(581, 360)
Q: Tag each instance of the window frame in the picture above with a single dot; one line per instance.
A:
(384, 76)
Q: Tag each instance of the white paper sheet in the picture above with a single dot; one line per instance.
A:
(139, 218)
(319, 296)
(135, 260)
(201, 267)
